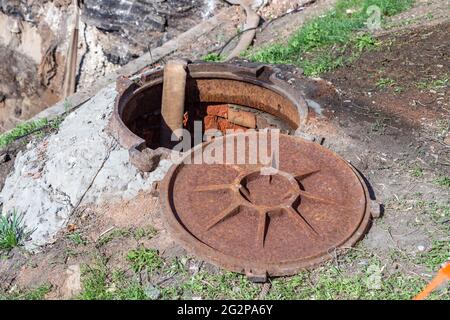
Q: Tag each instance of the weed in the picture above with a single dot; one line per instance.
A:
(321, 64)
(77, 238)
(213, 57)
(101, 284)
(417, 172)
(399, 89)
(379, 126)
(56, 122)
(27, 128)
(177, 266)
(70, 253)
(114, 234)
(318, 36)
(224, 285)
(146, 232)
(443, 181)
(385, 82)
(95, 282)
(437, 256)
(21, 131)
(38, 293)
(331, 282)
(145, 259)
(67, 105)
(433, 84)
(365, 41)
(12, 231)
(138, 234)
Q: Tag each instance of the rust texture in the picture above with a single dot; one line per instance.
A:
(246, 220)
(211, 91)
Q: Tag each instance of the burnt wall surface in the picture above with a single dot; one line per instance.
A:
(111, 34)
(142, 24)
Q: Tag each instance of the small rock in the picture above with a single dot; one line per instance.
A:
(72, 285)
(421, 248)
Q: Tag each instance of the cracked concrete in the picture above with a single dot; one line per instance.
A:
(81, 164)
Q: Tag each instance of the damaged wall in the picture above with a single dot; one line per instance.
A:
(35, 36)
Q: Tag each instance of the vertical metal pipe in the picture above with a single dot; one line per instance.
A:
(173, 99)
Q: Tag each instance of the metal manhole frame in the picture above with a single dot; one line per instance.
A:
(209, 254)
(261, 75)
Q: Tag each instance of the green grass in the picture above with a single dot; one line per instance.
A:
(417, 171)
(213, 57)
(114, 234)
(22, 130)
(369, 281)
(27, 128)
(144, 233)
(177, 267)
(33, 294)
(12, 231)
(99, 284)
(147, 232)
(227, 285)
(358, 275)
(77, 239)
(434, 84)
(443, 181)
(145, 259)
(385, 82)
(437, 256)
(333, 284)
(320, 45)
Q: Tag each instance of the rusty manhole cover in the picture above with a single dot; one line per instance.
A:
(267, 225)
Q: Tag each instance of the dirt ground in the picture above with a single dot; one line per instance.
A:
(389, 117)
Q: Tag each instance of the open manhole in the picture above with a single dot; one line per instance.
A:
(269, 216)
(248, 219)
(213, 92)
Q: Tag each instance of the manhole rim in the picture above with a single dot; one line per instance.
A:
(211, 255)
(257, 74)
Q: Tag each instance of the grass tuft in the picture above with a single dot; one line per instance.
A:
(385, 82)
(28, 128)
(22, 130)
(443, 181)
(77, 239)
(38, 293)
(12, 231)
(213, 57)
(101, 284)
(145, 259)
